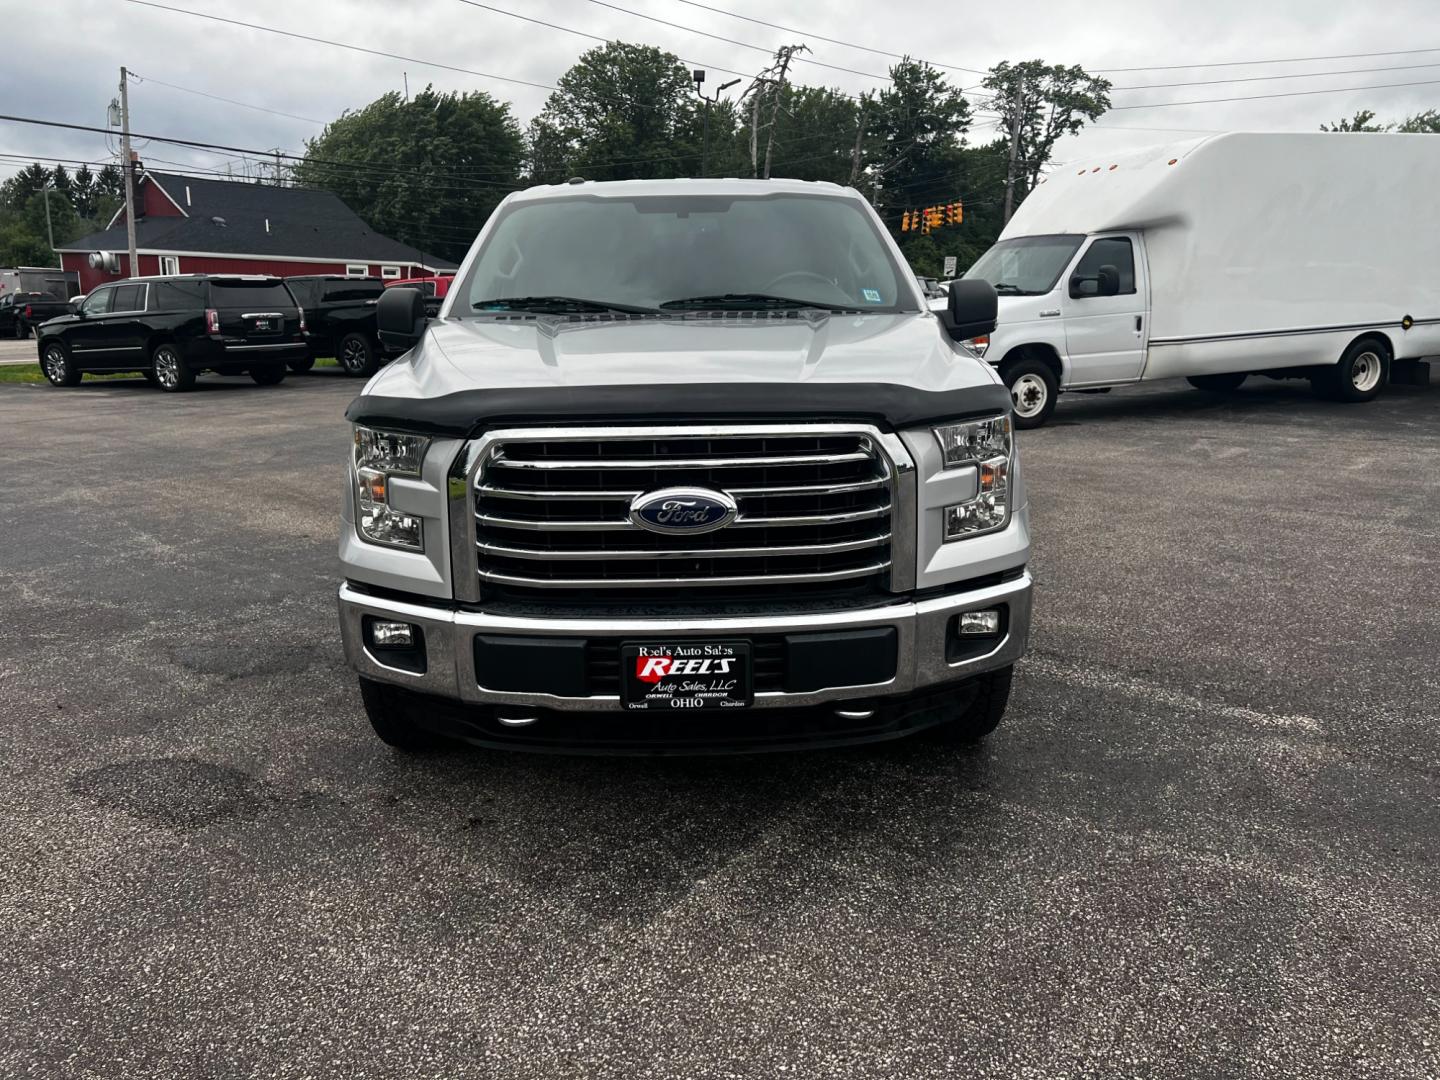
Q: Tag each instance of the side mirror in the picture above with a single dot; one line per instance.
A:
(971, 309)
(1108, 280)
(400, 318)
(75, 303)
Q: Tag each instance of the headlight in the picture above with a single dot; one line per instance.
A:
(987, 445)
(379, 456)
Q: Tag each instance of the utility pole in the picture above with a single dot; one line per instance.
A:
(698, 75)
(50, 229)
(132, 270)
(1018, 109)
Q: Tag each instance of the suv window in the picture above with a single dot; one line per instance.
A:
(1107, 251)
(303, 289)
(251, 295)
(177, 296)
(338, 292)
(98, 302)
(128, 298)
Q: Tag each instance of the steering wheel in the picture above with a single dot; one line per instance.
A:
(775, 285)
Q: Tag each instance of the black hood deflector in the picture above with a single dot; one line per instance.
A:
(471, 412)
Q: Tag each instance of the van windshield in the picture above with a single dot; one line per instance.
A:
(686, 252)
(1026, 265)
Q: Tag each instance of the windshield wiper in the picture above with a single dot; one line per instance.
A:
(750, 300)
(1005, 286)
(555, 304)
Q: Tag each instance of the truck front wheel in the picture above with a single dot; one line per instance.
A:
(1218, 384)
(1360, 375)
(387, 708)
(981, 714)
(1033, 390)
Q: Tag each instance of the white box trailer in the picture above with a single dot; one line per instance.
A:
(1289, 255)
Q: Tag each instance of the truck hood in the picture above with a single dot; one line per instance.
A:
(459, 355)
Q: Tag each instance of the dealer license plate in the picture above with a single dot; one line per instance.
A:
(681, 676)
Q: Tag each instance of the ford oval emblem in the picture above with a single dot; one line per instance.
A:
(683, 510)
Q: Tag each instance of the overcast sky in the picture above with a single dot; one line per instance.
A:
(69, 64)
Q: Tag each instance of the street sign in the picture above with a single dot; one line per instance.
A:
(949, 266)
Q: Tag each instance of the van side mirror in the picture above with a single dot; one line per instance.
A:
(971, 309)
(400, 318)
(1106, 282)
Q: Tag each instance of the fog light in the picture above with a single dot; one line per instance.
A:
(979, 623)
(392, 635)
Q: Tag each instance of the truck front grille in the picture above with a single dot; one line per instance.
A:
(552, 524)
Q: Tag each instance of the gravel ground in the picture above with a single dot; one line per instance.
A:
(1205, 843)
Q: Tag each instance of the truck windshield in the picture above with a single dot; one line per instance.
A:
(1027, 265)
(689, 252)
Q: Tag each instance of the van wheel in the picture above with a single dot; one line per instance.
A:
(270, 375)
(299, 367)
(171, 371)
(1033, 390)
(357, 355)
(1218, 384)
(1360, 375)
(981, 714)
(58, 366)
(385, 706)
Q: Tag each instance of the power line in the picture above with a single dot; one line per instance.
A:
(733, 41)
(1263, 97)
(830, 40)
(342, 45)
(228, 101)
(1272, 78)
(1252, 63)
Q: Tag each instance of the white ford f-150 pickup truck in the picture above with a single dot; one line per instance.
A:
(684, 465)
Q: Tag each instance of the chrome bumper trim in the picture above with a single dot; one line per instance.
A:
(920, 629)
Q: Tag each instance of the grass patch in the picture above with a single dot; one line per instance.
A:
(31, 373)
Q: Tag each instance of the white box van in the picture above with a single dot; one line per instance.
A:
(1289, 255)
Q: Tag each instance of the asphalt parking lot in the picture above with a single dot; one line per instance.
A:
(1206, 842)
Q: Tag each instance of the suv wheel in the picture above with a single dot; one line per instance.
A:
(357, 355)
(270, 375)
(385, 706)
(300, 366)
(59, 368)
(171, 371)
(981, 714)
(1033, 390)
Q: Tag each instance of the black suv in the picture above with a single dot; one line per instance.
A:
(171, 328)
(340, 321)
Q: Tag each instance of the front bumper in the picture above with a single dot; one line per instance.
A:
(921, 627)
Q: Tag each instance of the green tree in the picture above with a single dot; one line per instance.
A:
(814, 135)
(1039, 103)
(622, 112)
(1422, 123)
(427, 171)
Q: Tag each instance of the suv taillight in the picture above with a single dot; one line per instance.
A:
(29, 311)
(212, 321)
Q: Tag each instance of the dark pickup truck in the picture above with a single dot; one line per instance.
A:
(21, 312)
(340, 321)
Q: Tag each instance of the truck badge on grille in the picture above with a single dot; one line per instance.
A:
(683, 510)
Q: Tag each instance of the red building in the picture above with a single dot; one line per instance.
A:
(190, 225)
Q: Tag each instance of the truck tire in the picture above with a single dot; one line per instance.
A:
(21, 330)
(385, 706)
(1218, 384)
(982, 714)
(172, 373)
(269, 375)
(1361, 374)
(299, 367)
(357, 355)
(1033, 390)
(58, 366)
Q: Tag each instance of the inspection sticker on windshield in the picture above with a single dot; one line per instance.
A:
(872, 296)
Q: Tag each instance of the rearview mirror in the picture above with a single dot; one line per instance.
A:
(400, 318)
(971, 309)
